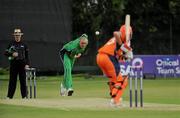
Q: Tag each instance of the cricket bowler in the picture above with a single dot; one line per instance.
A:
(108, 57)
(68, 54)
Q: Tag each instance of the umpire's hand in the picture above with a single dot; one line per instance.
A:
(15, 54)
(26, 66)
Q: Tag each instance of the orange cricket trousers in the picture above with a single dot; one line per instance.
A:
(110, 67)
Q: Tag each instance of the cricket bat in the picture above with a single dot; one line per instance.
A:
(127, 25)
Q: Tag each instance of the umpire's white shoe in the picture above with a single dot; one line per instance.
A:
(70, 91)
(63, 90)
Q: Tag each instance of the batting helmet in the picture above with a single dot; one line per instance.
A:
(123, 33)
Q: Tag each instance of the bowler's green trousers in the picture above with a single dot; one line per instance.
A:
(68, 65)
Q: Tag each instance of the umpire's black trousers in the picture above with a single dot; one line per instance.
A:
(17, 68)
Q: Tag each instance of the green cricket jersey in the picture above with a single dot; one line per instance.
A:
(73, 48)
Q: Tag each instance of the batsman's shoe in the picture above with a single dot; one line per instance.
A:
(112, 103)
(116, 104)
(121, 99)
(63, 90)
(70, 91)
(120, 104)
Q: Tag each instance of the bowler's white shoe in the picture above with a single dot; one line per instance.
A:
(63, 90)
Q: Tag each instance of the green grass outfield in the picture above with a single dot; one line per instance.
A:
(91, 100)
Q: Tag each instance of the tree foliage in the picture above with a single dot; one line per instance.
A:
(155, 22)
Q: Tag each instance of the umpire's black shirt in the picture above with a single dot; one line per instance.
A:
(22, 50)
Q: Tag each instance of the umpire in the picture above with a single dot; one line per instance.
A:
(17, 53)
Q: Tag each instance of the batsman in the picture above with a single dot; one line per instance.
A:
(68, 54)
(108, 57)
